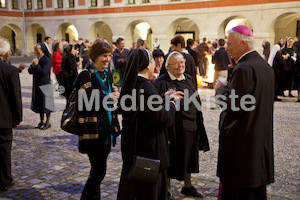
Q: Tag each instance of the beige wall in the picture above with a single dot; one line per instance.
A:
(268, 21)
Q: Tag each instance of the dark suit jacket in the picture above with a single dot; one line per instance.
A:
(246, 155)
(220, 59)
(193, 54)
(266, 47)
(10, 95)
(118, 64)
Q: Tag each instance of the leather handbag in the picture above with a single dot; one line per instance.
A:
(143, 169)
(69, 117)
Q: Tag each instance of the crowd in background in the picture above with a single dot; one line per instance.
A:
(170, 73)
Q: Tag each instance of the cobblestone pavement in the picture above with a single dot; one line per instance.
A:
(47, 165)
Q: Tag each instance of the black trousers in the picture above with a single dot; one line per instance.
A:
(230, 193)
(98, 160)
(203, 66)
(5, 156)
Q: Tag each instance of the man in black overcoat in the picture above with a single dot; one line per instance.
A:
(11, 114)
(246, 155)
(266, 49)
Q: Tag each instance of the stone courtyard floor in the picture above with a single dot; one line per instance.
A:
(47, 165)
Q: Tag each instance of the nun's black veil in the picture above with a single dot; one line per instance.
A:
(138, 60)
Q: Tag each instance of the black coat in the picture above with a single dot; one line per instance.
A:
(10, 92)
(266, 48)
(41, 76)
(191, 121)
(93, 133)
(193, 54)
(220, 59)
(246, 154)
(118, 64)
(151, 126)
(68, 73)
(290, 63)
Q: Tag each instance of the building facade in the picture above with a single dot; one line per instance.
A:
(26, 22)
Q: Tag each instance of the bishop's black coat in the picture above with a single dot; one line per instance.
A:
(187, 123)
(246, 157)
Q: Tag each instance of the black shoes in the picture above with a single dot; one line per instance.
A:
(277, 99)
(191, 192)
(43, 126)
(297, 100)
(169, 196)
(40, 125)
(46, 126)
(5, 188)
(290, 95)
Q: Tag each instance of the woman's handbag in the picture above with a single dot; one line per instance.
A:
(143, 169)
(69, 117)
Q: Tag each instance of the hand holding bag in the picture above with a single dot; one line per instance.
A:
(143, 169)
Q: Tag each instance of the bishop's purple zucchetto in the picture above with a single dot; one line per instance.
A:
(243, 29)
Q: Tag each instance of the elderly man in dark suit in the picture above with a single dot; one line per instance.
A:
(11, 114)
(266, 46)
(246, 155)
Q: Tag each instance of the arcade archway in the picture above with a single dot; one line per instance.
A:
(14, 35)
(100, 30)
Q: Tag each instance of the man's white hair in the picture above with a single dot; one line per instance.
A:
(242, 37)
(4, 47)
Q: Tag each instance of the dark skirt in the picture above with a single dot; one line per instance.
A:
(297, 83)
(41, 103)
(184, 156)
(230, 193)
(132, 190)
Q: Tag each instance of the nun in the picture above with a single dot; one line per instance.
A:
(144, 135)
(42, 101)
(187, 135)
(277, 62)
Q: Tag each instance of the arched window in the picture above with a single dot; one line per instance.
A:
(106, 2)
(60, 4)
(28, 4)
(40, 4)
(71, 3)
(131, 1)
(2, 4)
(14, 4)
(93, 3)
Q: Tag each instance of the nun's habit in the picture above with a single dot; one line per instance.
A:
(187, 135)
(41, 77)
(151, 141)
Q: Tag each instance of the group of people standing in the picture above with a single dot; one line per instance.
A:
(285, 61)
(169, 130)
(174, 134)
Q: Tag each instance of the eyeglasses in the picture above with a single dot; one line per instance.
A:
(228, 44)
(178, 63)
